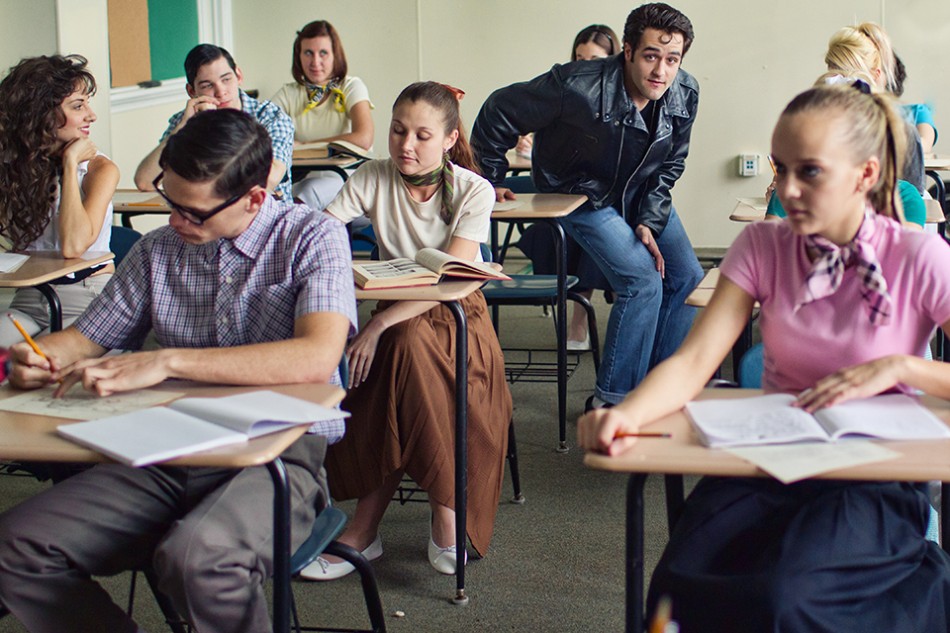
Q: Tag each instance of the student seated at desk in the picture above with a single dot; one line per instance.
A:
(55, 186)
(240, 290)
(866, 50)
(402, 367)
(847, 300)
(326, 104)
(214, 82)
(918, 114)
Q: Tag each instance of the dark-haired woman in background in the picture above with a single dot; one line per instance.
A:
(55, 187)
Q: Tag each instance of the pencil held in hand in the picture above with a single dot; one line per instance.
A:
(27, 337)
(622, 435)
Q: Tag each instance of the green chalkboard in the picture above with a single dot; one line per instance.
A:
(172, 32)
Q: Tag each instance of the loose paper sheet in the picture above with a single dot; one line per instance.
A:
(79, 404)
(793, 462)
(9, 262)
(507, 205)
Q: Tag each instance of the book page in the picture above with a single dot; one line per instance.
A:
(392, 269)
(747, 421)
(891, 417)
(149, 436)
(79, 404)
(257, 413)
(446, 264)
(10, 262)
(791, 463)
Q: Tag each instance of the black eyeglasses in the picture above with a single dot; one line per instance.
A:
(195, 217)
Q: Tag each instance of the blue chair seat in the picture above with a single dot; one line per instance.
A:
(524, 288)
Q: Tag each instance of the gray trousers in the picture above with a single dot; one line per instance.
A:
(207, 532)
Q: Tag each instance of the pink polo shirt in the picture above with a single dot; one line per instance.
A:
(769, 262)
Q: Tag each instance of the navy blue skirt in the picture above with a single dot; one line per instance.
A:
(755, 555)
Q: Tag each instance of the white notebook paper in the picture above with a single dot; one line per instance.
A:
(9, 262)
(772, 419)
(192, 425)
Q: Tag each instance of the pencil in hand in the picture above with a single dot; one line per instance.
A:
(27, 337)
(621, 435)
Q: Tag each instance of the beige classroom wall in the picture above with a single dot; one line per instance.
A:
(750, 58)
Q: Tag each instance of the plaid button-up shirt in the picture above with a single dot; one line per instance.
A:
(289, 262)
(277, 123)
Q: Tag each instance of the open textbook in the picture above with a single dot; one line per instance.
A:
(429, 267)
(772, 419)
(191, 425)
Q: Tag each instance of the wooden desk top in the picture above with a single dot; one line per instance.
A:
(517, 162)
(44, 266)
(700, 296)
(442, 291)
(749, 210)
(25, 437)
(753, 210)
(937, 163)
(308, 158)
(533, 206)
(139, 202)
(923, 460)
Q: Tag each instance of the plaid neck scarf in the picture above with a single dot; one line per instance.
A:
(444, 174)
(829, 262)
(316, 95)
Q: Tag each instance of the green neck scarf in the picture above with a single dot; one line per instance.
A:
(444, 174)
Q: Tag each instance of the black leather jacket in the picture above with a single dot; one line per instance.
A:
(584, 124)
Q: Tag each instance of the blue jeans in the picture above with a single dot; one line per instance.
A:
(649, 318)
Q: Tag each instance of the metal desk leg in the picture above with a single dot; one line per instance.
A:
(461, 447)
(55, 307)
(561, 315)
(278, 473)
(635, 623)
(945, 516)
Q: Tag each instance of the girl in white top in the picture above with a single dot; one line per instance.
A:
(55, 187)
(325, 104)
(401, 391)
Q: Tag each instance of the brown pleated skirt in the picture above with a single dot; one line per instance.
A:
(403, 416)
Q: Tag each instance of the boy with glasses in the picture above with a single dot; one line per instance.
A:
(240, 290)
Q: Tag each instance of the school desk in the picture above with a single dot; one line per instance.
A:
(517, 163)
(27, 437)
(753, 210)
(43, 267)
(307, 160)
(451, 294)
(682, 454)
(546, 208)
(129, 203)
(699, 298)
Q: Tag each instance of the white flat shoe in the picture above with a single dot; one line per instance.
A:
(321, 569)
(443, 559)
(579, 346)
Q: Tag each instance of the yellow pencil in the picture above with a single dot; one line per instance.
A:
(27, 337)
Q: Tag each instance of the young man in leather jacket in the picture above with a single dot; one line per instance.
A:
(616, 130)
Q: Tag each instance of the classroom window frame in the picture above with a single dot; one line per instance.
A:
(215, 25)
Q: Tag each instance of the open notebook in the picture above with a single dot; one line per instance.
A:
(772, 419)
(192, 425)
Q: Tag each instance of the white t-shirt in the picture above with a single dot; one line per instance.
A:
(324, 120)
(403, 225)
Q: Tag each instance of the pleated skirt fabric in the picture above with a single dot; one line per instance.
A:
(755, 555)
(403, 416)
